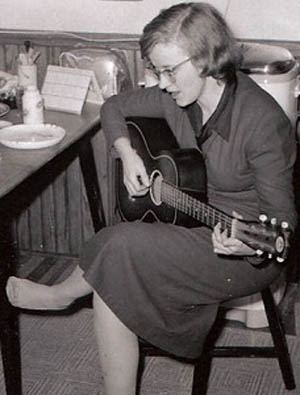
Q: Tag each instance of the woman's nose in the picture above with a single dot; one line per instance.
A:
(164, 81)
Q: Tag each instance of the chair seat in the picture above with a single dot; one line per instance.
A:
(202, 365)
(250, 309)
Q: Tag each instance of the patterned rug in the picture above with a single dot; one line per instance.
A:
(59, 356)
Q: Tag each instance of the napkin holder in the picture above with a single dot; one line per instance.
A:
(66, 89)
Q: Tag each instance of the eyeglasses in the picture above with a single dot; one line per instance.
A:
(168, 72)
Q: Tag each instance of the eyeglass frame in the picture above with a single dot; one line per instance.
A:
(168, 72)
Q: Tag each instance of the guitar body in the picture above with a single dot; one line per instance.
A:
(184, 168)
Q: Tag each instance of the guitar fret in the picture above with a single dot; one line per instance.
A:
(214, 218)
(186, 204)
(206, 216)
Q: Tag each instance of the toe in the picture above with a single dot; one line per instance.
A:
(11, 289)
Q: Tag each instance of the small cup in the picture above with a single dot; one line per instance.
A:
(27, 75)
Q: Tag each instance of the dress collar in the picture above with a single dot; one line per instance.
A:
(220, 120)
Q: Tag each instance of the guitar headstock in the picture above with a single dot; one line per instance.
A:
(266, 236)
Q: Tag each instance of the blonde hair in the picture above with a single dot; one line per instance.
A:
(201, 31)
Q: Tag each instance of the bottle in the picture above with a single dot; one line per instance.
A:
(32, 103)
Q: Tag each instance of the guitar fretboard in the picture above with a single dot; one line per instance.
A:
(196, 209)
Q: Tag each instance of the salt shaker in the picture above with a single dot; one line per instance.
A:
(32, 102)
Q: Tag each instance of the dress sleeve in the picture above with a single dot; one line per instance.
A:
(272, 155)
(142, 102)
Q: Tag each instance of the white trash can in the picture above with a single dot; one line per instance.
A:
(276, 71)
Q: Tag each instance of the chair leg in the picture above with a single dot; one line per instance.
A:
(140, 373)
(201, 374)
(202, 366)
(279, 339)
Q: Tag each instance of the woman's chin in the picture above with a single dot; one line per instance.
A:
(180, 101)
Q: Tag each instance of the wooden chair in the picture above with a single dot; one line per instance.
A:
(202, 365)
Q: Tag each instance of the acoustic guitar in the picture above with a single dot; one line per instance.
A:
(177, 193)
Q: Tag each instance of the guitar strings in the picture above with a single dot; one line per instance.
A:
(193, 207)
(211, 216)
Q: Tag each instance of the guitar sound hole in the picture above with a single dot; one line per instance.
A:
(156, 185)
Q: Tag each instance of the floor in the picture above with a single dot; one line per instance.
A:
(59, 356)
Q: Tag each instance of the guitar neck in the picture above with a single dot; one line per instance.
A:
(194, 208)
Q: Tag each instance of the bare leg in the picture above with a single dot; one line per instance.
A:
(30, 295)
(118, 351)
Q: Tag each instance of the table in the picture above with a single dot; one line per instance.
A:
(19, 171)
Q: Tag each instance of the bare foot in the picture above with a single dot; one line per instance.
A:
(27, 294)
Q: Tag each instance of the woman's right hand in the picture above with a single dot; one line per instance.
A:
(135, 176)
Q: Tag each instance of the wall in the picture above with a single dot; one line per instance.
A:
(276, 21)
(250, 19)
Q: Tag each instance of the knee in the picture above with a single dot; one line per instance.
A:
(126, 235)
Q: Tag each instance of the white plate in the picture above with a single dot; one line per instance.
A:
(23, 136)
(4, 109)
(4, 124)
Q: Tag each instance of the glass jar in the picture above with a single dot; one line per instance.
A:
(32, 104)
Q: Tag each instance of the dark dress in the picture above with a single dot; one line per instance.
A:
(163, 281)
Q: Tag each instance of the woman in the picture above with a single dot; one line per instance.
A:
(164, 282)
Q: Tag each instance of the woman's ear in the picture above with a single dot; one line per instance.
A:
(198, 65)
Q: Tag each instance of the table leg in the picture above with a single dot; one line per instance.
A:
(92, 187)
(9, 326)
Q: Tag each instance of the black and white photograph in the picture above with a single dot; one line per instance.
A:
(150, 197)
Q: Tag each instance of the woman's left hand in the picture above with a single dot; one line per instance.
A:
(223, 244)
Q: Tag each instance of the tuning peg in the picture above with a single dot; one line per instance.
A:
(273, 221)
(284, 225)
(270, 256)
(279, 259)
(263, 218)
(259, 252)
